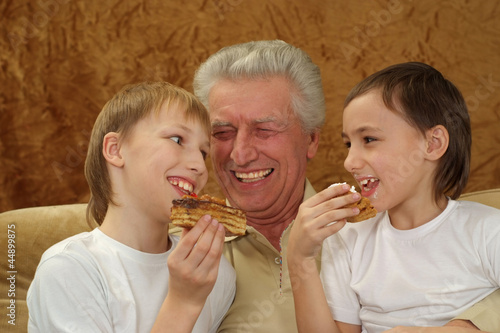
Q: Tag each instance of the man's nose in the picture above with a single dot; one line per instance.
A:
(245, 149)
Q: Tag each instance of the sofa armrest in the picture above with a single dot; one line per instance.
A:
(30, 231)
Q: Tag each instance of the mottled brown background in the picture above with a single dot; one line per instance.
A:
(61, 60)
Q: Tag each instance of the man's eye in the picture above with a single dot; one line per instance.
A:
(265, 132)
(176, 139)
(223, 135)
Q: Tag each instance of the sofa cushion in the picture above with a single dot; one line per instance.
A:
(486, 197)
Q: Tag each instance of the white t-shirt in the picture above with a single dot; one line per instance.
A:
(92, 283)
(379, 277)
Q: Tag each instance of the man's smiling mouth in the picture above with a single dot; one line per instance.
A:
(249, 177)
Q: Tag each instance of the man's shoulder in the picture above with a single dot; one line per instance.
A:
(309, 190)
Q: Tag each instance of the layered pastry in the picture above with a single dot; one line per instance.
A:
(366, 209)
(189, 209)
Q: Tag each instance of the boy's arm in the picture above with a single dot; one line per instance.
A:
(193, 268)
(307, 234)
(484, 315)
(311, 308)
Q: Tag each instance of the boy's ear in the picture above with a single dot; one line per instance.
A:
(111, 149)
(438, 140)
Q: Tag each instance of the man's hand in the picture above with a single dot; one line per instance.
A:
(454, 326)
(463, 323)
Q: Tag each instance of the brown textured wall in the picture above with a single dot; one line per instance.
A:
(61, 60)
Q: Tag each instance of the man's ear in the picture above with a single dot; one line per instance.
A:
(111, 149)
(313, 144)
(438, 140)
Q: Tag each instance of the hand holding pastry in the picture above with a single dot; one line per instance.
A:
(314, 220)
(194, 263)
(366, 209)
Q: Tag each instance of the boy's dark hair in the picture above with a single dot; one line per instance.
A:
(425, 99)
(120, 114)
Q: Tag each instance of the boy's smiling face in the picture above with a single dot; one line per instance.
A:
(386, 154)
(163, 159)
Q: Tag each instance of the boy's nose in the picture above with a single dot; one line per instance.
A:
(197, 163)
(353, 160)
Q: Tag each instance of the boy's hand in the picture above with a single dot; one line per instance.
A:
(194, 263)
(193, 268)
(314, 221)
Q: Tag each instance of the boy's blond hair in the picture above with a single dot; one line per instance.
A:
(131, 104)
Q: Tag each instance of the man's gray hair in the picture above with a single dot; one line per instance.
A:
(266, 59)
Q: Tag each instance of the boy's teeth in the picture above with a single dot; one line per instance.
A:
(186, 186)
(367, 182)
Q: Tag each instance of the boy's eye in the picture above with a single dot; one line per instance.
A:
(204, 154)
(347, 142)
(176, 139)
(369, 139)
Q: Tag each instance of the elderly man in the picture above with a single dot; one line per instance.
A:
(267, 107)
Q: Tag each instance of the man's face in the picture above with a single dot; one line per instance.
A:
(258, 148)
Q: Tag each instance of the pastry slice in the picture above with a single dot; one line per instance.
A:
(366, 209)
(189, 209)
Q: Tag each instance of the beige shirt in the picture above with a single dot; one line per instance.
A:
(264, 299)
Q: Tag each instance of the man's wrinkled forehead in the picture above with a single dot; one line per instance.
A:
(277, 119)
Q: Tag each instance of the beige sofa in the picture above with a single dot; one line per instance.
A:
(36, 229)
(33, 230)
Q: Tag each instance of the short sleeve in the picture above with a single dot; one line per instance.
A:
(67, 295)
